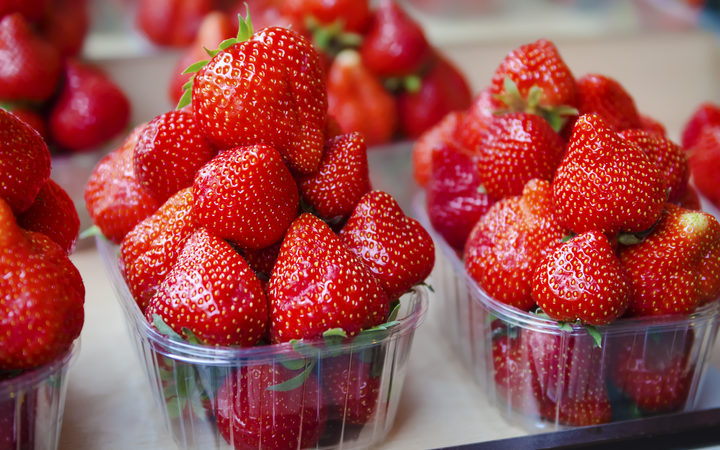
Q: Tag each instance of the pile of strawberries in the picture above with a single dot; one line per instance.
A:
(701, 139)
(246, 218)
(74, 105)
(565, 201)
(384, 79)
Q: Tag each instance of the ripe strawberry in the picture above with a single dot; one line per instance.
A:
(246, 195)
(651, 125)
(31, 116)
(150, 249)
(704, 162)
(582, 280)
(476, 120)
(512, 373)
(607, 98)
(342, 178)
(394, 44)
(353, 15)
(169, 152)
(114, 197)
(66, 24)
(90, 110)
(682, 254)
(30, 67)
(358, 101)
(212, 292)
(31, 10)
(317, 284)
(443, 88)
(396, 248)
(251, 414)
(41, 310)
(690, 200)
(352, 390)
(18, 416)
(439, 135)
(262, 260)
(669, 158)
(455, 198)
(24, 162)
(510, 240)
(707, 114)
(518, 147)
(606, 183)
(171, 22)
(53, 214)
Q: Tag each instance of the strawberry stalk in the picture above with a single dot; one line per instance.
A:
(515, 102)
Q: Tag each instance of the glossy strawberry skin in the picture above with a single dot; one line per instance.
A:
(171, 22)
(471, 131)
(512, 373)
(317, 284)
(53, 214)
(24, 162)
(398, 251)
(604, 96)
(351, 388)
(606, 183)
(342, 178)
(707, 114)
(354, 15)
(246, 195)
(704, 161)
(66, 25)
(251, 415)
(211, 291)
(169, 152)
(508, 242)
(439, 135)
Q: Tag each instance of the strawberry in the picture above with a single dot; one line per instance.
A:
(246, 195)
(518, 147)
(32, 116)
(682, 255)
(669, 158)
(262, 261)
(443, 88)
(607, 98)
(30, 67)
(606, 183)
(358, 101)
(24, 162)
(169, 152)
(396, 248)
(18, 416)
(252, 414)
(171, 22)
(31, 10)
(352, 389)
(476, 120)
(512, 373)
(582, 280)
(150, 249)
(41, 310)
(317, 284)
(508, 242)
(213, 293)
(394, 44)
(704, 162)
(651, 125)
(66, 24)
(455, 198)
(353, 15)
(53, 214)
(114, 197)
(342, 178)
(90, 110)
(436, 136)
(690, 200)
(707, 114)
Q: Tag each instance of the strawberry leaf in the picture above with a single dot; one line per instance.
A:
(334, 332)
(412, 83)
(394, 310)
(564, 326)
(294, 382)
(185, 99)
(294, 364)
(245, 28)
(194, 67)
(165, 329)
(91, 232)
(594, 334)
(191, 337)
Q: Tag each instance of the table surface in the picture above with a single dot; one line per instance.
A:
(109, 404)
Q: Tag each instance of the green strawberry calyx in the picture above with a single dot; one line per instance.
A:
(568, 327)
(332, 38)
(515, 102)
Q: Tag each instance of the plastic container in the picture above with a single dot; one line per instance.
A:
(543, 378)
(337, 396)
(32, 405)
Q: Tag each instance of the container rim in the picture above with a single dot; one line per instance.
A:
(414, 306)
(33, 377)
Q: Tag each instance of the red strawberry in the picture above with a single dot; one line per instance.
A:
(651, 125)
(455, 198)
(114, 197)
(24, 162)
(31, 116)
(317, 284)
(690, 200)
(262, 261)
(251, 414)
(18, 417)
(90, 110)
(53, 214)
(704, 163)
(342, 178)
(605, 97)
(439, 135)
(30, 67)
(396, 248)
(41, 310)
(512, 372)
(508, 242)
(582, 280)
(606, 183)
(31, 10)
(358, 100)
(66, 25)
(351, 388)
(471, 130)
(169, 152)
(443, 88)
(246, 195)
(707, 114)
(518, 147)
(669, 158)
(171, 22)
(394, 45)
(353, 15)
(682, 256)
(150, 249)
(213, 293)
